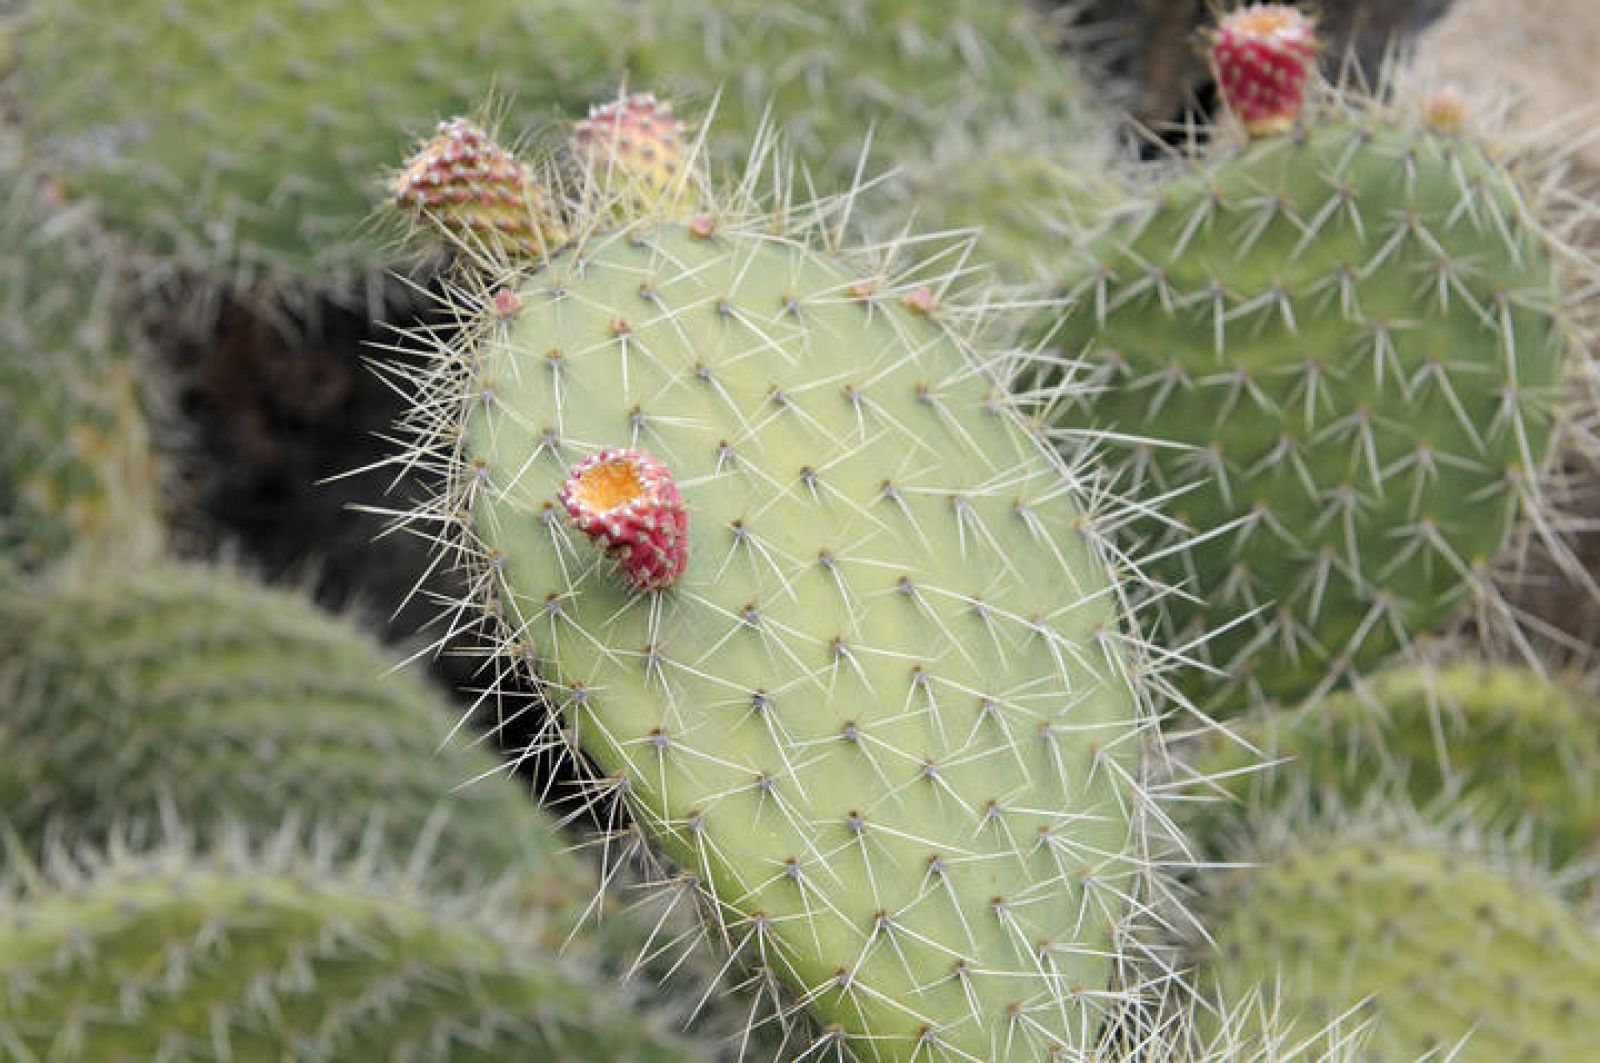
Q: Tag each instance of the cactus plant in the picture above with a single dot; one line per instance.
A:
(190, 688)
(268, 956)
(241, 141)
(1446, 954)
(1337, 354)
(1499, 742)
(76, 464)
(886, 717)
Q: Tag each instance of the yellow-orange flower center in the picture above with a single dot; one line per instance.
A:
(607, 486)
(1269, 20)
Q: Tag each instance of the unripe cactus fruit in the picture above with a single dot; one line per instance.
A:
(634, 149)
(1263, 56)
(1444, 950)
(466, 186)
(242, 956)
(1337, 357)
(628, 500)
(885, 718)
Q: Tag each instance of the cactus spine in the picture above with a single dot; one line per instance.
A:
(885, 719)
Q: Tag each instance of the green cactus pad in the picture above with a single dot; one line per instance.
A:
(1498, 742)
(167, 958)
(193, 689)
(244, 138)
(76, 464)
(1446, 950)
(1335, 355)
(895, 74)
(884, 719)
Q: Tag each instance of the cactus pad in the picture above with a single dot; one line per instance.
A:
(1336, 356)
(242, 958)
(1445, 950)
(884, 719)
(191, 687)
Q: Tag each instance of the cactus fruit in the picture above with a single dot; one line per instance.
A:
(245, 956)
(189, 688)
(77, 468)
(882, 79)
(1263, 56)
(635, 151)
(886, 719)
(1355, 337)
(241, 140)
(467, 187)
(1497, 741)
(1449, 957)
(629, 501)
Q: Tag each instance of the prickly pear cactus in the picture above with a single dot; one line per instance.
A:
(1499, 741)
(893, 73)
(1334, 355)
(878, 707)
(1444, 954)
(76, 464)
(190, 688)
(242, 138)
(165, 956)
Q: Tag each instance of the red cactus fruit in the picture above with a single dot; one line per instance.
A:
(472, 189)
(1263, 56)
(634, 145)
(628, 500)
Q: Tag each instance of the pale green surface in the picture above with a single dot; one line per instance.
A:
(1445, 947)
(1328, 327)
(784, 347)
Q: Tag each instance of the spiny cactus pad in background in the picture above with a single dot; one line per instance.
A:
(897, 73)
(242, 138)
(1498, 742)
(163, 956)
(884, 718)
(76, 464)
(191, 687)
(1336, 356)
(467, 187)
(1263, 56)
(1449, 950)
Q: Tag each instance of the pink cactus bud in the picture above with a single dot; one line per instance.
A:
(629, 501)
(469, 188)
(634, 146)
(1263, 56)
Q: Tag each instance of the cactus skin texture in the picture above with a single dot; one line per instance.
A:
(241, 139)
(77, 469)
(1500, 742)
(189, 687)
(884, 719)
(1355, 333)
(1445, 947)
(893, 73)
(165, 957)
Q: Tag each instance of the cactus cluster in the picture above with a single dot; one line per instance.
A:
(873, 613)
